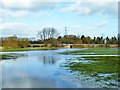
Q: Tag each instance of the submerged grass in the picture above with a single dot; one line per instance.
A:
(103, 68)
(105, 64)
(11, 56)
(93, 51)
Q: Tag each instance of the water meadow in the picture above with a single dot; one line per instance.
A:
(61, 68)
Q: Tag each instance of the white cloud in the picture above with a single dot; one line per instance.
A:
(83, 0)
(79, 29)
(76, 8)
(30, 5)
(14, 14)
(6, 14)
(42, 13)
(87, 8)
(12, 25)
(102, 24)
(19, 14)
(19, 29)
(76, 27)
(23, 8)
(1, 20)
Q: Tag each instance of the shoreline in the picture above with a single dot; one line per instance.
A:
(29, 49)
(39, 48)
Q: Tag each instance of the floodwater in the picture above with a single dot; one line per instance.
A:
(43, 69)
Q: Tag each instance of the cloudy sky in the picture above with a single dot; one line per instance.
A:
(26, 17)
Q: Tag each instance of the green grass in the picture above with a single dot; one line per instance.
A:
(11, 56)
(95, 66)
(93, 51)
(104, 64)
(30, 48)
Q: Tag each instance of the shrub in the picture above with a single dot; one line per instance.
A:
(14, 42)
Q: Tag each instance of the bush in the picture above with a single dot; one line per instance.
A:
(52, 43)
(23, 42)
(14, 42)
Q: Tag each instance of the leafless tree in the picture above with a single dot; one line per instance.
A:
(47, 33)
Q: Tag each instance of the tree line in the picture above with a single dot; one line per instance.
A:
(51, 36)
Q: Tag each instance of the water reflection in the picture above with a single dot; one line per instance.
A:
(47, 59)
(37, 70)
(42, 69)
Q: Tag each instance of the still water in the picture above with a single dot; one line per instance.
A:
(43, 69)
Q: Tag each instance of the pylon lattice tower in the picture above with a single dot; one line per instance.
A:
(65, 30)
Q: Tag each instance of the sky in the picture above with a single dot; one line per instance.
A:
(24, 18)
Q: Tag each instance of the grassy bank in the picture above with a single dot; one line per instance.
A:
(93, 51)
(30, 48)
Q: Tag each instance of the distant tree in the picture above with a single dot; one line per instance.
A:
(82, 37)
(113, 40)
(107, 40)
(47, 33)
(22, 43)
(101, 40)
(14, 42)
(78, 42)
(59, 37)
(10, 42)
(98, 40)
(1, 41)
(53, 42)
(119, 40)
(94, 40)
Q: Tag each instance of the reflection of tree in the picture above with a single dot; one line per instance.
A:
(48, 60)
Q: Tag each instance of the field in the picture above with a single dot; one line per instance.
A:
(105, 69)
(94, 51)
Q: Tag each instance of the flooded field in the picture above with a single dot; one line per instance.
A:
(53, 69)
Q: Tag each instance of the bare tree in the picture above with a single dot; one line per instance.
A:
(47, 33)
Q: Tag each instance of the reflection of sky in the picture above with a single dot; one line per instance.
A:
(42, 69)
(37, 70)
